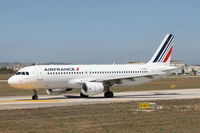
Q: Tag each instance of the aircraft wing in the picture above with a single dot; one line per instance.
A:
(125, 77)
(117, 80)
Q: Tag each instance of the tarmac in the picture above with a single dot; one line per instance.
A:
(25, 102)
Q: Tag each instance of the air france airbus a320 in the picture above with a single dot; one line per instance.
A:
(94, 79)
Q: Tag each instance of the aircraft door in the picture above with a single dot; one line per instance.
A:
(39, 74)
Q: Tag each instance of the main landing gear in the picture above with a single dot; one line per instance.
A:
(108, 93)
(35, 94)
(82, 95)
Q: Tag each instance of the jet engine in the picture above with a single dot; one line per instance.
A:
(92, 88)
(56, 91)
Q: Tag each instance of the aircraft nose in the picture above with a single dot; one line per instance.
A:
(12, 81)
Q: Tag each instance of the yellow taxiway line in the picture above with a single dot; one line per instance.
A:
(33, 101)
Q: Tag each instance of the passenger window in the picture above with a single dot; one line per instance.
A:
(23, 73)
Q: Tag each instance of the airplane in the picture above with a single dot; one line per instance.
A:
(94, 79)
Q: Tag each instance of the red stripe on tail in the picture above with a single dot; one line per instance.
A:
(168, 55)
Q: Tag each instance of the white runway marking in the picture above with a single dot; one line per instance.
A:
(2, 81)
(22, 102)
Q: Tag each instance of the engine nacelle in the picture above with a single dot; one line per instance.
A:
(56, 91)
(92, 88)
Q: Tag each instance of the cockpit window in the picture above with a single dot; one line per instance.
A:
(22, 73)
(18, 73)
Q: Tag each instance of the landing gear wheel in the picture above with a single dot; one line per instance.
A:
(83, 96)
(108, 94)
(35, 97)
(35, 94)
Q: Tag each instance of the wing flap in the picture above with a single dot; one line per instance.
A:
(125, 77)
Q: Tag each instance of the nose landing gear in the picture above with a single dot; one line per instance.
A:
(35, 94)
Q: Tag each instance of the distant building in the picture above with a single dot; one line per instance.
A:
(192, 70)
(180, 65)
(177, 63)
(17, 65)
(198, 73)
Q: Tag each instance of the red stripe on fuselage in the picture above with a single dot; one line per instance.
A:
(168, 55)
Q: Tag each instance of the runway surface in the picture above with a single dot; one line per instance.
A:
(24, 102)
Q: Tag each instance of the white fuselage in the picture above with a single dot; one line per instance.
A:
(71, 76)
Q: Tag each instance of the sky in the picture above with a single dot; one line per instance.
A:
(97, 31)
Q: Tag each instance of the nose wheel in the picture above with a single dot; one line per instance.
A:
(35, 97)
(35, 94)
